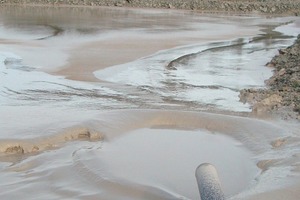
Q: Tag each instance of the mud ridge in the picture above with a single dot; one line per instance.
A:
(288, 7)
(32, 145)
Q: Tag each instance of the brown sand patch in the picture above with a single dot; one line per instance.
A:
(93, 56)
(89, 57)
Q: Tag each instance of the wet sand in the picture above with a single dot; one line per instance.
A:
(43, 153)
(77, 52)
(132, 161)
(88, 58)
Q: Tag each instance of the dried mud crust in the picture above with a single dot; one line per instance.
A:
(290, 7)
(282, 95)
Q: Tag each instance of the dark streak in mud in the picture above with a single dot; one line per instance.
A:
(56, 31)
(269, 34)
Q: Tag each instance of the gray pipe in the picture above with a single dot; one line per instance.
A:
(208, 183)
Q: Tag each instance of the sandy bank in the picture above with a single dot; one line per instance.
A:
(242, 6)
(282, 94)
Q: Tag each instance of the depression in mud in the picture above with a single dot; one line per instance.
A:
(103, 103)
